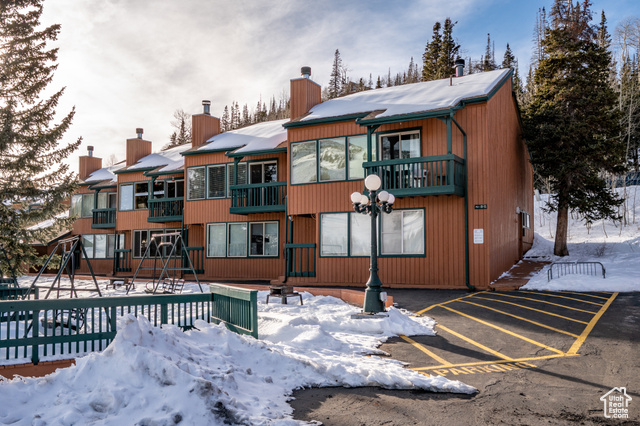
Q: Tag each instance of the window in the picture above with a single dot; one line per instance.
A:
(216, 181)
(264, 239)
(174, 188)
(400, 145)
(142, 239)
(403, 232)
(360, 234)
(141, 195)
(329, 160)
(242, 175)
(242, 239)
(263, 172)
(100, 246)
(195, 183)
(126, 196)
(82, 205)
(107, 200)
(303, 162)
(358, 155)
(332, 159)
(237, 239)
(334, 234)
(217, 240)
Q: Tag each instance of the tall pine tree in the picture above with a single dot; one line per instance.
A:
(571, 126)
(335, 82)
(440, 53)
(31, 151)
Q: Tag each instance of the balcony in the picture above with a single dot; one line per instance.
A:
(258, 198)
(419, 176)
(165, 209)
(104, 218)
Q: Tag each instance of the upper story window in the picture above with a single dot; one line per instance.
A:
(329, 160)
(107, 200)
(215, 180)
(400, 145)
(82, 205)
(134, 196)
(263, 172)
(141, 195)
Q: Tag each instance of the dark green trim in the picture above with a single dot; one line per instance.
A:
(424, 234)
(149, 190)
(186, 184)
(100, 188)
(207, 151)
(380, 135)
(253, 153)
(328, 120)
(157, 174)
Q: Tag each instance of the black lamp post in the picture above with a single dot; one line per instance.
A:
(380, 202)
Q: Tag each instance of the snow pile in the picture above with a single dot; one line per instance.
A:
(257, 137)
(616, 247)
(212, 376)
(105, 174)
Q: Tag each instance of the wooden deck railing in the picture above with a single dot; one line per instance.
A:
(166, 209)
(104, 218)
(258, 198)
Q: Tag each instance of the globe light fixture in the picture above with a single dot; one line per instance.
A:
(373, 205)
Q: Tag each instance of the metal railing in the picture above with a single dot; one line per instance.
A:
(236, 307)
(582, 268)
(104, 218)
(441, 174)
(300, 260)
(262, 197)
(196, 254)
(31, 329)
(165, 209)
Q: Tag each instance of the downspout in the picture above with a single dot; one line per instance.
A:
(286, 241)
(466, 206)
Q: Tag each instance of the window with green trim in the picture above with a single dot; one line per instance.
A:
(403, 232)
(107, 200)
(400, 145)
(304, 162)
(196, 183)
(101, 246)
(82, 205)
(243, 239)
(126, 196)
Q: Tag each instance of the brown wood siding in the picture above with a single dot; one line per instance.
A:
(511, 182)
(203, 127)
(88, 165)
(305, 94)
(136, 149)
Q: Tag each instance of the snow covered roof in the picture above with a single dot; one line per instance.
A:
(161, 162)
(254, 138)
(409, 98)
(105, 174)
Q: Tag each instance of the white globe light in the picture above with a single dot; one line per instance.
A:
(372, 182)
(383, 196)
(364, 199)
(392, 199)
(355, 197)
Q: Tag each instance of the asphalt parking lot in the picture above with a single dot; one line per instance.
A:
(535, 358)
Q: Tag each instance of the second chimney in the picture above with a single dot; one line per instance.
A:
(305, 94)
(137, 148)
(204, 126)
(88, 164)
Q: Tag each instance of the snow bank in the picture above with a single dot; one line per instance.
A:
(210, 376)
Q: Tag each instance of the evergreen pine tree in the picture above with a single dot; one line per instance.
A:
(488, 63)
(32, 170)
(224, 121)
(246, 118)
(432, 55)
(335, 82)
(379, 83)
(448, 52)
(571, 126)
(510, 61)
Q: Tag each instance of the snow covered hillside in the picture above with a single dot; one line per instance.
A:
(617, 247)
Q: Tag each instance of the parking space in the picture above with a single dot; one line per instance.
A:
(496, 332)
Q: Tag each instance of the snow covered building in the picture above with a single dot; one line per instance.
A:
(272, 200)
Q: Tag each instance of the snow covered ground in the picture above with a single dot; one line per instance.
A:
(209, 376)
(616, 247)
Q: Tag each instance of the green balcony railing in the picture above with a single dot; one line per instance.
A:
(258, 198)
(300, 260)
(196, 254)
(437, 175)
(104, 218)
(122, 260)
(166, 209)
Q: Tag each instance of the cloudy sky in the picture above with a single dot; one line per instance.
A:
(132, 63)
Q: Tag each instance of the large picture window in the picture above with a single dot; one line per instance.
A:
(142, 240)
(101, 246)
(216, 181)
(332, 159)
(358, 155)
(126, 196)
(107, 200)
(349, 234)
(82, 205)
(303, 162)
(195, 183)
(403, 232)
(141, 195)
(242, 239)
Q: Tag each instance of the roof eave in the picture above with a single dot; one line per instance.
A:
(257, 152)
(326, 120)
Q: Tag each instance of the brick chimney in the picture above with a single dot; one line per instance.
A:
(204, 126)
(137, 148)
(305, 94)
(88, 164)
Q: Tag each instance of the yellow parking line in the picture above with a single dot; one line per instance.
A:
(425, 350)
(448, 301)
(563, 297)
(584, 294)
(576, 345)
(522, 319)
(511, 333)
(498, 361)
(544, 301)
(533, 309)
(473, 342)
